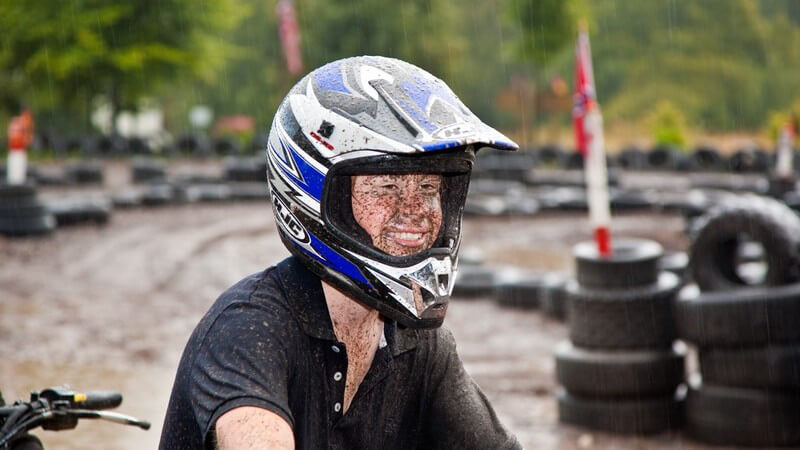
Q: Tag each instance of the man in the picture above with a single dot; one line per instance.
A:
(339, 346)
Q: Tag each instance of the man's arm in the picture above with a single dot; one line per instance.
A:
(252, 428)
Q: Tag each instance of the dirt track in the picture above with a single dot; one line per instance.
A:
(111, 308)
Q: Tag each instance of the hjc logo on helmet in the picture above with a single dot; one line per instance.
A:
(288, 221)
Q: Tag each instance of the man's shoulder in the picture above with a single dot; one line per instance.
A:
(434, 341)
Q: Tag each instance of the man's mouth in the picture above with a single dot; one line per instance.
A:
(408, 238)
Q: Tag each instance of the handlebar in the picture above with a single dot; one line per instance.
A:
(59, 408)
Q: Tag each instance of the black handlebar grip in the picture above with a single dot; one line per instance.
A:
(99, 400)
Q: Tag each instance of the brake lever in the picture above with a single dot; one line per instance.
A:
(122, 419)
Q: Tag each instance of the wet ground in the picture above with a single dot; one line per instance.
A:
(111, 307)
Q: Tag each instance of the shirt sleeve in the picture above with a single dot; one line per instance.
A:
(460, 416)
(243, 361)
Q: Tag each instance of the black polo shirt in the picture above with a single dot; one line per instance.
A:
(268, 342)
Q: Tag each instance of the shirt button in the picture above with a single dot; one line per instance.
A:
(337, 376)
(337, 407)
(335, 349)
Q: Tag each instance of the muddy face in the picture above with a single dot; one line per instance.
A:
(401, 213)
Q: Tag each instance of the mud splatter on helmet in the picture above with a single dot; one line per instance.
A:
(372, 115)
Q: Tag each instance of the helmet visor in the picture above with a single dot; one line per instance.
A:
(398, 209)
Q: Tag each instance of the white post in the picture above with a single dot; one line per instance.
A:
(597, 181)
(783, 165)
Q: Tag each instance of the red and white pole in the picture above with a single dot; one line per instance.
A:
(784, 163)
(597, 182)
(588, 123)
(19, 137)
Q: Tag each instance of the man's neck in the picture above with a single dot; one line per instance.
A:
(350, 318)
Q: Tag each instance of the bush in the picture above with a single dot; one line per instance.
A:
(668, 125)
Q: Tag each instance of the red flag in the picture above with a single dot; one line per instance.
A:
(290, 36)
(584, 97)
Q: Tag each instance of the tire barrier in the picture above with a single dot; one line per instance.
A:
(553, 296)
(718, 238)
(21, 213)
(225, 146)
(550, 156)
(746, 317)
(85, 173)
(189, 144)
(603, 373)
(475, 281)
(519, 291)
(706, 159)
(676, 263)
(500, 166)
(663, 158)
(147, 170)
(106, 146)
(748, 160)
(79, 211)
(723, 415)
(626, 415)
(620, 371)
(749, 361)
(632, 158)
(246, 169)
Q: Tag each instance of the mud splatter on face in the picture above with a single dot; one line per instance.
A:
(401, 213)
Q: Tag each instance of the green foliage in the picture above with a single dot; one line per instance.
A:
(543, 27)
(56, 55)
(668, 125)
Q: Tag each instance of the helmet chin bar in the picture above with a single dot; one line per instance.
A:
(434, 276)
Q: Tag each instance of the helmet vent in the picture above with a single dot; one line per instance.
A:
(443, 280)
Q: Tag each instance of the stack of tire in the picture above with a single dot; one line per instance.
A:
(621, 372)
(747, 332)
(21, 213)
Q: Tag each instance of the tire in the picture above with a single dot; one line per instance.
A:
(208, 193)
(10, 192)
(78, 212)
(522, 292)
(734, 416)
(716, 236)
(27, 225)
(238, 169)
(662, 158)
(635, 318)
(475, 281)
(550, 156)
(706, 159)
(632, 159)
(749, 160)
(147, 170)
(85, 173)
(630, 201)
(26, 442)
(633, 262)
(675, 262)
(226, 146)
(553, 296)
(249, 191)
(746, 317)
(757, 367)
(639, 416)
(633, 373)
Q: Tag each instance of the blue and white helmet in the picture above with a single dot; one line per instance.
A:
(372, 115)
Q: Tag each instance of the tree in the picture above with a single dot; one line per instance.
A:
(61, 55)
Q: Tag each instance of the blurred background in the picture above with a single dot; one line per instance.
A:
(671, 71)
(157, 111)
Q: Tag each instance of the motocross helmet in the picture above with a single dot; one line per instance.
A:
(372, 115)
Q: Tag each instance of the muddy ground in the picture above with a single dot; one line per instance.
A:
(111, 307)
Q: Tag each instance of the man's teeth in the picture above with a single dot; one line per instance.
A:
(407, 236)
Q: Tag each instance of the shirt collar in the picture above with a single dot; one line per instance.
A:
(303, 292)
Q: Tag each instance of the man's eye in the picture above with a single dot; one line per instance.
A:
(389, 187)
(430, 187)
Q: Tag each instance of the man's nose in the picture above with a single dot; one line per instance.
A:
(411, 200)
